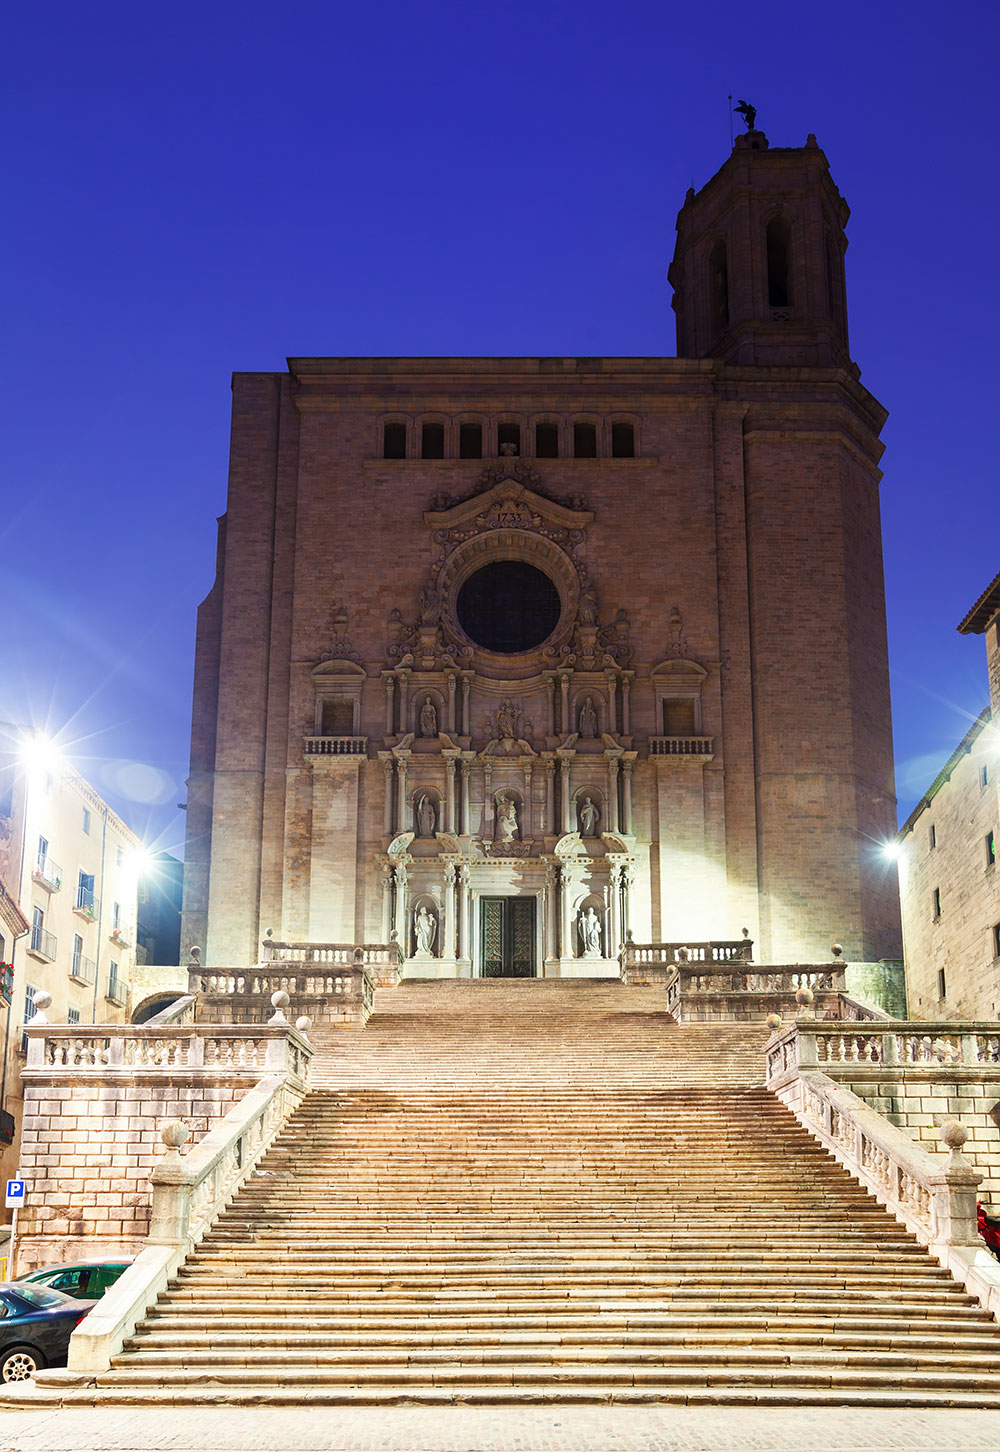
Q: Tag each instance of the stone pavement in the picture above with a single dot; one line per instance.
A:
(497, 1429)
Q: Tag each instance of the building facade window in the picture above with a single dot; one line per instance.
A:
(584, 440)
(779, 283)
(991, 850)
(116, 917)
(77, 955)
(984, 778)
(942, 986)
(432, 440)
(622, 440)
(86, 821)
(394, 441)
(933, 836)
(72, 1015)
(508, 435)
(546, 440)
(470, 441)
(936, 900)
(996, 940)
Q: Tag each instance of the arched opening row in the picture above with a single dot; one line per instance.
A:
(546, 439)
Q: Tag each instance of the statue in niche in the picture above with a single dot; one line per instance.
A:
(426, 816)
(587, 610)
(589, 817)
(424, 931)
(586, 721)
(428, 718)
(506, 721)
(589, 928)
(506, 829)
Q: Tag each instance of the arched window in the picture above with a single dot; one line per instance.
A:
(718, 275)
(834, 279)
(337, 716)
(394, 441)
(622, 440)
(779, 283)
(470, 441)
(584, 441)
(546, 440)
(432, 441)
(509, 433)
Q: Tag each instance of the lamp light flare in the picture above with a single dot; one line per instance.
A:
(891, 850)
(39, 753)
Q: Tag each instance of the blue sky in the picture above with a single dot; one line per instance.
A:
(194, 190)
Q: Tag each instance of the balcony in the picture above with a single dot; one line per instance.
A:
(42, 944)
(46, 873)
(336, 745)
(83, 970)
(120, 938)
(117, 991)
(87, 905)
(701, 747)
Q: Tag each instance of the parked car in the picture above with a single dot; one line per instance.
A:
(35, 1326)
(87, 1280)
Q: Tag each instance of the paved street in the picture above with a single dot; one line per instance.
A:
(481, 1429)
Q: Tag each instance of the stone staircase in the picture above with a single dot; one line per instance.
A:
(548, 1191)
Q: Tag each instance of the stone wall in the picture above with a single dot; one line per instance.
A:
(92, 1129)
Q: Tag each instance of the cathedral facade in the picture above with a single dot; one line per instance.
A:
(510, 658)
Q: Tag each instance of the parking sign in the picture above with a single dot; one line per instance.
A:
(15, 1194)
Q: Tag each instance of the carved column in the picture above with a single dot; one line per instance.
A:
(613, 793)
(627, 797)
(550, 690)
(466, 726)
(489, 804)
(464, 947)
(612, 680)
(402, 825)
(614, 938)
(451, 701)
(386, 878)
(528, 822)
(450, 917)
(449, 794)
(626, 712)
(466, 827)
(404, 686)
(552, 910)
(567, 933)
(387, 774)
(564, 822)
(564, 702)
(390, 697)
(401, 924)
(549, 818)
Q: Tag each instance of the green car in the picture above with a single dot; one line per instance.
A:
(86, 1280)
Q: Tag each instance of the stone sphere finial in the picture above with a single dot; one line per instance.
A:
(774, 1022)
(174, 1135)
(194, 953)
(279, 1002)
(804, 996)
(837, 950)
(304, 1023)
(270, 933)
(953, 1134)
(42, 1001)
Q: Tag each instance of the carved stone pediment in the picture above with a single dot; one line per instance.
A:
(509, 504)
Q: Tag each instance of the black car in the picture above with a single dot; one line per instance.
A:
(35, 1326)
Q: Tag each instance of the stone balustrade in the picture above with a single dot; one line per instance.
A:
(327, 992)
(915, 1074)
(94, 1102)
(935, 1198)
(335, 746)
(657, 962)
(681, 745)
(717, 990)
(188, 1195)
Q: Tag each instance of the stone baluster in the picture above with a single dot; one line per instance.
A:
(465, 809)
(450, 916)
(390, 702)
(449, 793)
(387, 765)
(626, 710)
(612, 794)
(627, 797)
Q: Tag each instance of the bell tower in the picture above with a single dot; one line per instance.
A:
(758, 270)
